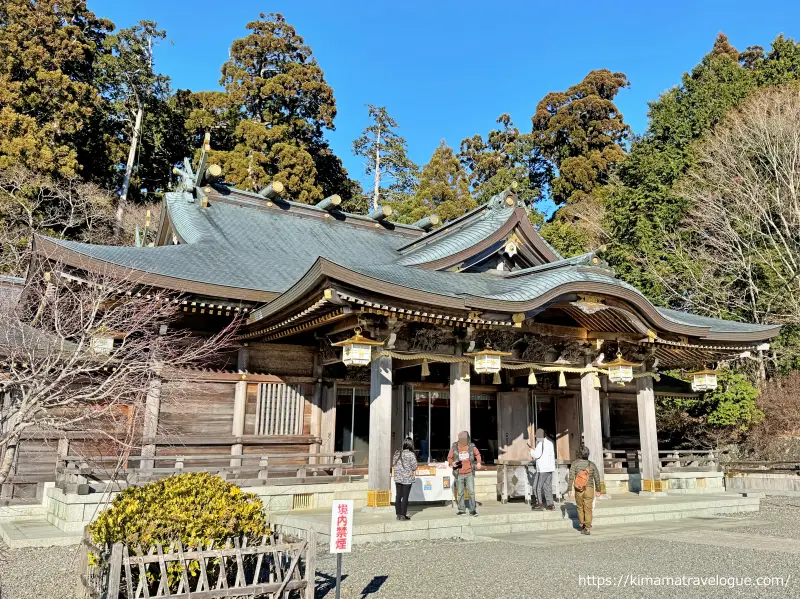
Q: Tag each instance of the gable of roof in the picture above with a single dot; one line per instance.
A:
(469, 235)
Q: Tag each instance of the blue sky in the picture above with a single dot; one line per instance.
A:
(446, 70)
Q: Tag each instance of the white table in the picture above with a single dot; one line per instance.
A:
(433, 482)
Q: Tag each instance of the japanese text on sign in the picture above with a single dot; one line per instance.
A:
(341, 526)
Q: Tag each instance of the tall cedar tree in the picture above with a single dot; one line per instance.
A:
(385, 155)
(49, 105)
(506, 156)
(283, 105)
(581, 132)
(644, 207)
(443, 190)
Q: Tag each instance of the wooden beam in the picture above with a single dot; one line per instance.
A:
(272, 191)
(427, 223)
(380, 213)
(203, 162)
(330, 203)
(555, 330)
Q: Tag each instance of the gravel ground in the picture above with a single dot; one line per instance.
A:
(782, 517)
(500, 570)
(38, 573)
(497, 569)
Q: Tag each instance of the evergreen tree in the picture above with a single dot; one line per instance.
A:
(443, 190)
(506, 156)
(283, 105)
(49, 105)
(385, 154)
(644, 207)
(581, 132)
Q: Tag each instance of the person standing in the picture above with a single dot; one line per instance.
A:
(465, 459)
(584, 484)
(404, 463)
(545, 455)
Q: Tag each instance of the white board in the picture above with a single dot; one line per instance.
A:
(342, 526)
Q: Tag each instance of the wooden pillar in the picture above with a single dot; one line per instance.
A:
(592, 424)
(380, 426)
(152, 407)
(650, 466)
(317, 400)
(7, 489)
(239, 403)
(328, 424)
(605, 412)
(459, 399)
(239, 407)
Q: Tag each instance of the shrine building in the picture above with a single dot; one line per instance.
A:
(477, 325)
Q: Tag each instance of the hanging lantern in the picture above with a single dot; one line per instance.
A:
(620, 371)
(357, 351)
(488, 361)
(704, 380)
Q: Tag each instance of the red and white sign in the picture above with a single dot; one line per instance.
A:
(341, 526)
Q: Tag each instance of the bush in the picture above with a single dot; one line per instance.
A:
(190, 508)
(715, 418)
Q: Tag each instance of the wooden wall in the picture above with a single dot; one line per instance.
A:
(281, 359)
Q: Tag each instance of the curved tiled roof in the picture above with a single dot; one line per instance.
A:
(717, 325)
(242, 246)
(463, 235)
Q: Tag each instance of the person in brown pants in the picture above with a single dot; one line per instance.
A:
(584, 483)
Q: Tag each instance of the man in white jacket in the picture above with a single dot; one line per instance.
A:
(545, 455)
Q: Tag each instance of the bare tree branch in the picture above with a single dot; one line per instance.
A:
(80, 353)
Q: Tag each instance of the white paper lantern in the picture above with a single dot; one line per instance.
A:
(357, 350)
(704, 380)
(620, 371)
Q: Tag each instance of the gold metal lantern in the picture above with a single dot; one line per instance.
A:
(704, 380)
(620, 371)
(357, 350)
(488, 360)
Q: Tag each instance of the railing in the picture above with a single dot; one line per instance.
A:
(246, 470)
(237, 568)
(64, 441)
(789, 466)
(621, 461)
(693, 460)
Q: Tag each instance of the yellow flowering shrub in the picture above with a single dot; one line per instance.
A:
(190, 507)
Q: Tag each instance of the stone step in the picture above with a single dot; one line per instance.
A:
(9, 513)
(600, 518)
(497, 519)
(36, 533)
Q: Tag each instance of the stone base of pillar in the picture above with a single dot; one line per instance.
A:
(379, 498)
(652, 486)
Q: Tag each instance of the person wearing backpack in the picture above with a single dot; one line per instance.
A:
(404, 464)
(584, 485)
(464, 458)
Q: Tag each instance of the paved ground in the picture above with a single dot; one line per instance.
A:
(614, 562)
(618, 562)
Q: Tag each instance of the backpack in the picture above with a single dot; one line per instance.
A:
(582, 479)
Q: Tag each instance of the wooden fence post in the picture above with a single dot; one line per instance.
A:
(263, 465)
(311, 564)
(83, 565)
(337, 461)
(115, 571)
